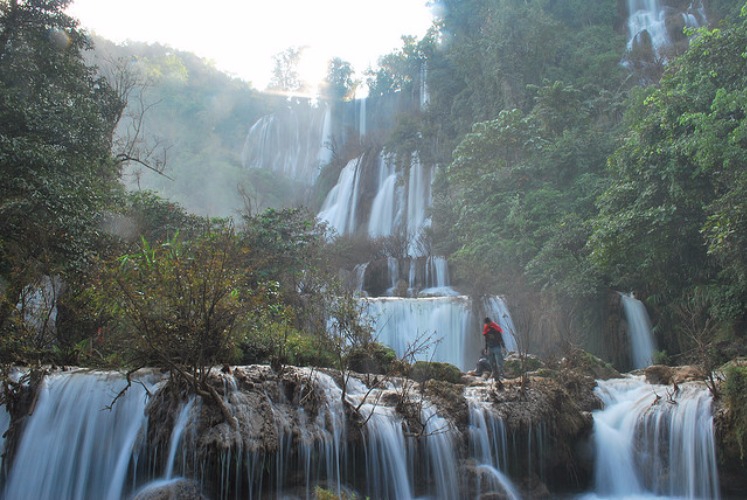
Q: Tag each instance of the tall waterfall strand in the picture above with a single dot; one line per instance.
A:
(488, 446)
(386, 213)
(497, 309)
(340, 206)
(389, 465)
(418, 201)
(651, 440)
(72, 447)
(639, 332)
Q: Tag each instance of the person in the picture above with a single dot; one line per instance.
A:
(483, 365)
(493, 334)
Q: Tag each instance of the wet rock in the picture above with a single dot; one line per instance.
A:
(668, 375)
(180, 489)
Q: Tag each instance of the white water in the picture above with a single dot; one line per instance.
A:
(639, 332)
(454, 336)
(340, 205)
(649, 16)
(652, 443)
(394, 210)
(176, 437)
(488, 446)
(72, 448)
(75, 448)
(292, 141)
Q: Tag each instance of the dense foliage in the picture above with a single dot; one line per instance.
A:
(56, 125)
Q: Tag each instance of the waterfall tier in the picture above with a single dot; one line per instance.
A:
(654, 441)
(302, 429)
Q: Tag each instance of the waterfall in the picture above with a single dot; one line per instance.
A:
(441, 459)
(439, 328)
(385, 209)
(73, 446)
(639, 332)
(488, 445)
(359, 273)
(292, 141)
(653, 441)
(176, 436)
(339, 208)
(418, 201)
(497, 309)
(650, 441)
(649, 18)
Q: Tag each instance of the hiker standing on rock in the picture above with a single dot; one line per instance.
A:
(493, 334)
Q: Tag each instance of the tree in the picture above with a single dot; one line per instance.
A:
(285, 75)
(339, 83)
(671, 221)
(56, 124)
(179, 304)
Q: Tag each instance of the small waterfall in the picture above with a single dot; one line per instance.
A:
(447, 322)
(389, 465)
(639, 332)
(72, 446)
(652, 442)
(441, 459)
(488, 445)
(652, 20)
(418, 202)
(176, 437)
(385, 209)
(647, 16)
(340, 206)
(393, 269)
(359, 273)
(403, 323)
(497, 309)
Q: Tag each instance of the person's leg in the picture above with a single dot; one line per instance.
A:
(497, 359)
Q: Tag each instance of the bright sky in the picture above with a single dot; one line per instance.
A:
(241, 36)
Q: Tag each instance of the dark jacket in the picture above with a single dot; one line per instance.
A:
(493, 334)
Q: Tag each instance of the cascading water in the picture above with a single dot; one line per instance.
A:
(340, 206)
(73, 446)
(488, 445)
(654, 441)
(650, 440)
(653, 20)
(293, 141)
(639, 332)
(435, 328)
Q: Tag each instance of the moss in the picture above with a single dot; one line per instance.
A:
(735, 397)
(426, 370)
(372, 358)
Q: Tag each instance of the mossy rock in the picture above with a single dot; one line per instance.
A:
(588, 364)
(514, 366)
(372, 358)
(427, 370)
